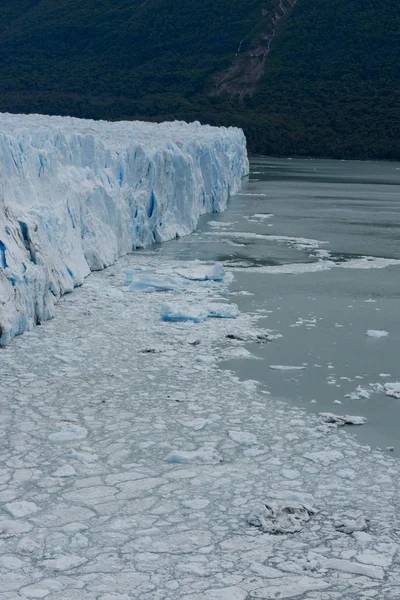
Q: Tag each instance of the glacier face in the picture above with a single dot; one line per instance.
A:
(77, 194)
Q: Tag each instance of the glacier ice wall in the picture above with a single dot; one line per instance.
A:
(77, 194)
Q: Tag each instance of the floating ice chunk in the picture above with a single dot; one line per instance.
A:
(265, 571)
(235, 353)
(360, 394)
(373, 558)
(68, 433)
(343, 419)
(203, 272)
(290, 474)
(198, 313)
(65, 471)
(183, 312)
(351, 525)
(291, 589)
(35, 591)
(262, 216)
(11, 563)
(324, 457)
(277, 518)
(243, 437)
(223, 311)
(297, 242)
(309, 323)
(226, 593)
(205, 455)
(64, 562)
(392, 389)
(348, 566)
(196, 503)
(369, 262)
(320, 265)
(376, 333)
(10, 528)
(153, 283)
(73, 528)
(29, 547)
(22, 508)
(286, 368)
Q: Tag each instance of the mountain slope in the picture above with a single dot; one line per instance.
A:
(312, 77)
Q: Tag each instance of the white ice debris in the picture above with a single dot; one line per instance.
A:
(286, 368)
(392, 389)
(317, 266)
(342, 419)
(77, 194)
(205, 455)
(10, 528)
(275, 518)
(182, 311)
(388, 388)
(22, 508)
(243, 437)
(144, 282)
(376, 333)
(348, 566)
(203, 272)
(68, 432)
(65, 471)
(324, 457)
(359, 394)
(348, 525)
(64, 562)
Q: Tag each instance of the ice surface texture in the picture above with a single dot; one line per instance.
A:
(77, 194)
(131, 463)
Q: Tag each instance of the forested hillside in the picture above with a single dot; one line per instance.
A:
(312, 77)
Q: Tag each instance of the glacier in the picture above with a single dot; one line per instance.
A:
(77, 194)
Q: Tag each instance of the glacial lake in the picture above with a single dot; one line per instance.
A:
(316, 243)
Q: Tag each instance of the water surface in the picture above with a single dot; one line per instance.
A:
(347, 213)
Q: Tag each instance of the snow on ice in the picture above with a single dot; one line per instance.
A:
(77, 194)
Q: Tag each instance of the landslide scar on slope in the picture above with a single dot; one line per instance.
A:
(242, 77)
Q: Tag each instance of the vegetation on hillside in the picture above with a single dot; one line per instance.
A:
(331, 85)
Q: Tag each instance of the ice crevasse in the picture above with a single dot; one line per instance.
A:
(77, 194)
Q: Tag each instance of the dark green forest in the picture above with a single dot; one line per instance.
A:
(330, 84)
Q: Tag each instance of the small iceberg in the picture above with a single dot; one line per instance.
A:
(343, 419)
(275, 518)
(204, 272)
(392, 389)
(179, 312)
(205, 455)
(148, 283)
(375, 333)
(285, 368)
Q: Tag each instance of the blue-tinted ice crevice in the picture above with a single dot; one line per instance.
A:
(77, 194)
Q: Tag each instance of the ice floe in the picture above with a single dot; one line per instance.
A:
(286, 368)
(276, 518)
(342, 419)
(198, 313)
(376, 333)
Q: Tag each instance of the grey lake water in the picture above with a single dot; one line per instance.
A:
(315, 243)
